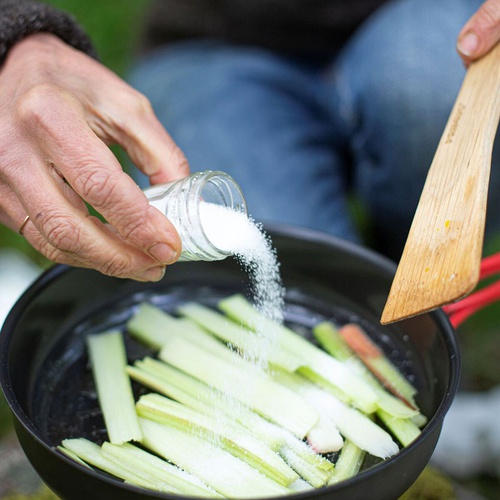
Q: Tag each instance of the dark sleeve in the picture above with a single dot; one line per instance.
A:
(20, 18)
(298, 27)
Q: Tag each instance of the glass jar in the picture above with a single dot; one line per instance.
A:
(180, 202)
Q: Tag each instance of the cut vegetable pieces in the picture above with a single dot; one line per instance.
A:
(231, 437)
(243, 406)
(358, 428)
(147, 464)
(334, 343)
(91, 453)
(253, 388)
(404, 429)
(319, 363)
(311, 474)
(109, 361)
(193, 393)
(352, 424)
(349, 462)
(324, 437)
(155, 327)
(378, 363)
(161, 377)
(73, 456)
(217, 468)
(152, 326)
(253, 346)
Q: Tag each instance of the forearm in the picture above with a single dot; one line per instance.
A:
(21, 18)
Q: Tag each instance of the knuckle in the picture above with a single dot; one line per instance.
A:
(33, 106)
(52, 253)
(118, 266)
(139, 108)
(61, 232)
(136, 227)
(141, 104)
(489, 15)
(93, 183)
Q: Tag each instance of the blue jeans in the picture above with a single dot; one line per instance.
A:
(301, 137)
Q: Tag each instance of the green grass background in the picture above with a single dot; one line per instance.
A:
(114, 26)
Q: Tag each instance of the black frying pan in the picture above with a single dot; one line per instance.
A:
(47, 383)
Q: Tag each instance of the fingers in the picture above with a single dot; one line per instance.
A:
(69, 235)
(481, 33)
(120, 114)
(93, 172)
(136, 128)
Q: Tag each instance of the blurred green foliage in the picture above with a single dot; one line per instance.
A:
(114, 26)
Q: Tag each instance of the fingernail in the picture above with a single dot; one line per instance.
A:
(152, 274)
(163, 253)
(468, 44)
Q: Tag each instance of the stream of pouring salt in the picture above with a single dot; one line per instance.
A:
(236, 233)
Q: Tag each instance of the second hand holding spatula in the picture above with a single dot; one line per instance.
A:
(442, 256)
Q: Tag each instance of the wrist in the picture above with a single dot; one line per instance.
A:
(20, 18)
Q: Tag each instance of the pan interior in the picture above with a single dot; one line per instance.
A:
(64, 402)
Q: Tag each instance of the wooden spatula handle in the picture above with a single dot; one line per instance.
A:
(442, 255)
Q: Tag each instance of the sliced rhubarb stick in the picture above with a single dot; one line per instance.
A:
(375, 359)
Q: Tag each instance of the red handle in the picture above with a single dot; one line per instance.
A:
(459, 311)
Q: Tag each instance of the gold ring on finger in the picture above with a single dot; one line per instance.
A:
(25, 221)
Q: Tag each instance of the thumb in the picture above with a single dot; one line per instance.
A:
(481, 32)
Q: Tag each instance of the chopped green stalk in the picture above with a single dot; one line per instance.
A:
(252, 345)
(147, 464)
(191, 392)
(313, 475)
(313, 376)
(226, 474)
(320, 363)
(145, 377)
(300, 485)
(92, 454)
(159, 376)
(231, 437)
(352, 424)
(73, 456)
(155, 327)
(304, 451)
(334, 343)
(404, 429)
(393, 405)
(419, 420)
(328, 337)
(357, 427)
(194, 387)
(324, 437)
(109, 360)
(349, 462)
(151, 325)
(249, 386)
(378, 363)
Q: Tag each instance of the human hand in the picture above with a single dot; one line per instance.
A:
(481, 32)
(59, 111)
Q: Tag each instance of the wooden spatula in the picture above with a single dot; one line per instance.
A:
(442, 256)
